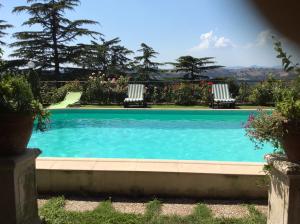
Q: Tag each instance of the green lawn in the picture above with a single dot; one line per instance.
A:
(169, 107)
(53, 213)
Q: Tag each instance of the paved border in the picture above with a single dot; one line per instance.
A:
(162, 109)
(151, 177)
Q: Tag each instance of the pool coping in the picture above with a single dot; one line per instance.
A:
(162, 109)
(148, 165)
(136, 177)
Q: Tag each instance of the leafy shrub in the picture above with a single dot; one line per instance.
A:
(47, 90)
(233, 86)
(54, 95)
(102, 91)
(184, 95)
(167, 94)
(272, 126)
(60, 93)
(120, 89)
(156, 95)
(16, 97)
(244, 92)
(265, 127)
(204, 92)
(159, 93)
(265, 92)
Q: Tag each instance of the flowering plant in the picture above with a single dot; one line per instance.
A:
(266, 127)
(272, 126)
(104, 90)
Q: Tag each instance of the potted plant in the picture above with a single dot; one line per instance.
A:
(280, 127)
(18, 110)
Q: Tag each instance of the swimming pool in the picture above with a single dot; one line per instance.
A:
(212, 135)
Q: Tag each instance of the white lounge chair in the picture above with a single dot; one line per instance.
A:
(221, 95)
(135, 95)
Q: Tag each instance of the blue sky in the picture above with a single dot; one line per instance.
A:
(231, 30)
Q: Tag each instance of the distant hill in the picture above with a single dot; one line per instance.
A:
(241, 73)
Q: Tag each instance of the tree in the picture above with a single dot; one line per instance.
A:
(3, 26)
(119, 61)
(144, 66)
(50, 47)
(108, 57)
(194, 67)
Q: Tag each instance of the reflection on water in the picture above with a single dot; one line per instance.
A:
(140, 124)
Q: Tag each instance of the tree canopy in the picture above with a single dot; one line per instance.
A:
(108, 57)
(50, 40)
(144, 64)
(49, 47)
(194, 67)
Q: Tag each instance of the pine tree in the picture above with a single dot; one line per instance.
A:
(194, 67)
(3, 26)
(108, 57)
(50, 47)
(144, 66)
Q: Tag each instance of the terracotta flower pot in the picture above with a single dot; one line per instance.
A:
(15, 132)
(291, 145)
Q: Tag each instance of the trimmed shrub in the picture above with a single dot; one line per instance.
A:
(264, 93)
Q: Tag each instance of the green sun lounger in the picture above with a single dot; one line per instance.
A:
(221, 95)
(135, 95)
(70, 98)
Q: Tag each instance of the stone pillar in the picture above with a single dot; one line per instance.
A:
(18, 194)
(284, 192)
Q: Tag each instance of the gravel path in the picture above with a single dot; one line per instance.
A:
(80, 206)
(177, 209)
(127, 207)
(180, 207)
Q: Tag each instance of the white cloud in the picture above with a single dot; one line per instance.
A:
(262, 39)
(209, 39)
(205, 40)
(223, 42)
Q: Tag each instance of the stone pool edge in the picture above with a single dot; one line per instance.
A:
(161, 109)
(137, 177)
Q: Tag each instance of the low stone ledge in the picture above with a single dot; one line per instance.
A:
(150, 177)
(280, 163)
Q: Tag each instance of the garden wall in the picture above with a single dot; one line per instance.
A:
(154, 178)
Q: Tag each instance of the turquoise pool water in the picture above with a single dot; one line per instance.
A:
(148, 134)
